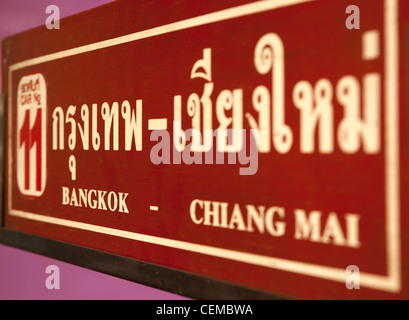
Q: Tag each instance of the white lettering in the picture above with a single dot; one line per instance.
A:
(308, 227)
(95, 199)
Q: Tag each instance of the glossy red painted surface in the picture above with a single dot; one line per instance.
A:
(22, 273)
(326, 194)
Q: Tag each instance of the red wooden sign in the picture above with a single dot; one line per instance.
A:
(263, 144)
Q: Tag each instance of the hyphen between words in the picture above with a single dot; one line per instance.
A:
(357, 131)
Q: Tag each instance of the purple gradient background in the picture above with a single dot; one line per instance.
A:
(22, 274)
(23, 277)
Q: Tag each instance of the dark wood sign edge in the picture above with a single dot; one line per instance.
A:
(159, 277)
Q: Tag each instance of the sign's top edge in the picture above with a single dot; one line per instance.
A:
(208, 18)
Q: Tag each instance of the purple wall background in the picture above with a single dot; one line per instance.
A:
(22, 274)
(23, 277)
